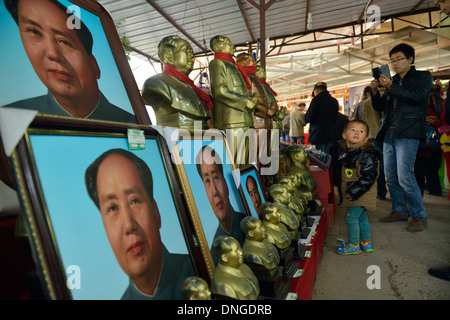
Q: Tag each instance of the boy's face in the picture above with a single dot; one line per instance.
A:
(355, 133)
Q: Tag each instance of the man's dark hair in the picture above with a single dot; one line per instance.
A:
(83, 32)
(199, 160)
(406, 49)
(367, 90)
(356, 121)
(143, 170)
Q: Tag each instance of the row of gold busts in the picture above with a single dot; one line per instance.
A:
(267, 238)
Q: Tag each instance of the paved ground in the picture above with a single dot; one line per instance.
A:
(403, 258)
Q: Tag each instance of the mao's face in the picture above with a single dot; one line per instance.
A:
(227, 46)
(216, 188)
(283, 195)
(259, 232)
(55, 51)
(254, 194)
(131, 219)
(183, 57)
(235, 257)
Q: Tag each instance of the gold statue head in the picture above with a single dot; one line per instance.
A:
(228, 250)
(286, 181)
(294, 177)
(221, 44)
(298, 154)
(253, 228)
(245, 59)
(270, 212)
(195, 288)
(280, 193)
(177, 52)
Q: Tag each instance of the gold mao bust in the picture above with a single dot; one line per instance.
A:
(195, 288)
(175, 99)
(299, 160)
(281, 195)
(259, 253)
(276, 232)
(233, 106)
(232, 278)
(297, 197)
(263, 114)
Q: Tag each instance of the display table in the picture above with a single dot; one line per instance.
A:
(303, 280)
(325, 190)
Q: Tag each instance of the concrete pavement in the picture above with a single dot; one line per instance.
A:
(400, 260)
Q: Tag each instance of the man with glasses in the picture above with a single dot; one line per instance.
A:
(404, 107)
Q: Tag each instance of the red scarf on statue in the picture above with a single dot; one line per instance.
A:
(264, 82)
(250, 70)
(229, 58)
(168, 69)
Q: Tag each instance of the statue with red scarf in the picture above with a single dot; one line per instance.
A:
(175, 99)
(263, 112)
(230, 85)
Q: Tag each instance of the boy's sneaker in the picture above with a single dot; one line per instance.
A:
(349, 249)
(366, 246)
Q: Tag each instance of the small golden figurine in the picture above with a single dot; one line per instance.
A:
(232, 278)
(195, 288)
(259, 254)
(276, 232)
(175, 99)
(299, 160)
(280, 194)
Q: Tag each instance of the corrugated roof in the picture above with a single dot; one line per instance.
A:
(335, 27)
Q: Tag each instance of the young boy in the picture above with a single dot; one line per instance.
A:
(358, 163)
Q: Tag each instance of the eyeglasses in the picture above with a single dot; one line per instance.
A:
(397, 60)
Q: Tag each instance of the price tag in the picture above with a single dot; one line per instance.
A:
(308, 254)
(136, 139)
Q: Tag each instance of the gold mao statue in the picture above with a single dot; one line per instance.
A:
(281, 195)
(292, 182)
(233, 105)
(271, 99)
(259, 254)
(195, 288)
(276, 232)
(232, 278)
(175, 99)
(299, 160)
(263, 112)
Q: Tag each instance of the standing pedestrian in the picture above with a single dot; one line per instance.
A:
(296, 130)
(321, 115)
(404, 105)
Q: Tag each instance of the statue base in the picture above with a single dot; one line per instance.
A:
(305, 233)
(310, 222)
(297, 253)
(269, 286)
(288, 264)
(315, 208)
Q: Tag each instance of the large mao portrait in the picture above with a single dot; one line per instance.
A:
(206, 176)
(251, 190)
(106, 221)
(65, 58)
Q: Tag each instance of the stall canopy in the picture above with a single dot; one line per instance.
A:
(305, 41)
